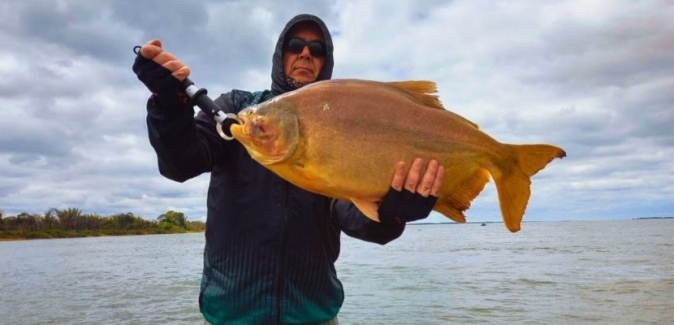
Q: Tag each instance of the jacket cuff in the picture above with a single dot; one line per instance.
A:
(384, 233)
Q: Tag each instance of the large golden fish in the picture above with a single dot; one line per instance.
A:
(342, 138)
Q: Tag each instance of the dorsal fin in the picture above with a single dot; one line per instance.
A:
(421, 90)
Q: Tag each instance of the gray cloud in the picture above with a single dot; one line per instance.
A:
(596, 81)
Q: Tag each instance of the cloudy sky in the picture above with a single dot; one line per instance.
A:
(594, 77)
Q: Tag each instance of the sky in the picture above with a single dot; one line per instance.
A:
(593, 77)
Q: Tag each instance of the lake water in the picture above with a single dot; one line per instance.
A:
(581, 272)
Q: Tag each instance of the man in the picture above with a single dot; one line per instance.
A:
(270, 246)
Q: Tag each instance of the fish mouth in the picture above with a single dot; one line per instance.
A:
(242, 123)
(249, 125)
(230, 121)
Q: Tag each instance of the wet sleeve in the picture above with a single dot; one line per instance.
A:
(355, 224)
(186, 146)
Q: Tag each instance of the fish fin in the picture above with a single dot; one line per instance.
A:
(456, 197)
(368, 208)
(421, 91)
(512, 184)
(452, 213)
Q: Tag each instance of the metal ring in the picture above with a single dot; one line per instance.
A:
(218, 126)
(234, 117)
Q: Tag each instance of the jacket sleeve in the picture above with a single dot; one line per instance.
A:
(355, 224)
(186, 146)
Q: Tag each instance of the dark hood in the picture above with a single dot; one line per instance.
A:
(278, 78)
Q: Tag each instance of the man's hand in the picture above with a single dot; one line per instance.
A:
(152, 50)
(162, 73)
(412, 196)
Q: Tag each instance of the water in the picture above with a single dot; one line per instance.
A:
(599, 272)
(615, 272)
(107, 280)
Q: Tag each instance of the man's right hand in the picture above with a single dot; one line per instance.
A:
(411, 197)
(160, 71)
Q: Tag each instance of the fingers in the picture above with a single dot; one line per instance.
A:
(428, 184)
(181, 73)
(398, 176)
(424, 188)
(164, 57)
(170, 62)
(178, 69)
(413, 175)
(151, 49)
(437, 182)
(155, 42)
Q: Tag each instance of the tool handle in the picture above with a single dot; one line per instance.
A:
(200, 98)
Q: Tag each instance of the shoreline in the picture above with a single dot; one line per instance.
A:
(28, 236)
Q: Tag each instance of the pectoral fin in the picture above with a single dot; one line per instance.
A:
(368, 208)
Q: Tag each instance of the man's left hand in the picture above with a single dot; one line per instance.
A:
(411, 196)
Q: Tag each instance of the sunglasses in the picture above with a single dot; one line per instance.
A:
(296, 45)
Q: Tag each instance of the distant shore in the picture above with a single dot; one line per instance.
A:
(10, 236)
(73, 223)
(189, 227)
(527, 221)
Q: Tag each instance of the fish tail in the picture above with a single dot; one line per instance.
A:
(512, 183)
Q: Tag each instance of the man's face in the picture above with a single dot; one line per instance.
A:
(303, 66)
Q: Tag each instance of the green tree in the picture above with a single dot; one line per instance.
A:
(124, 220)
(50, 219)
(69, 217)
(72, 222)
(173, 218)
(26, 221)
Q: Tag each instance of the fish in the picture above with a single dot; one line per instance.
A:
(341, 138)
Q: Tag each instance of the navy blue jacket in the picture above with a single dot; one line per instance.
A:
(270, 246)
